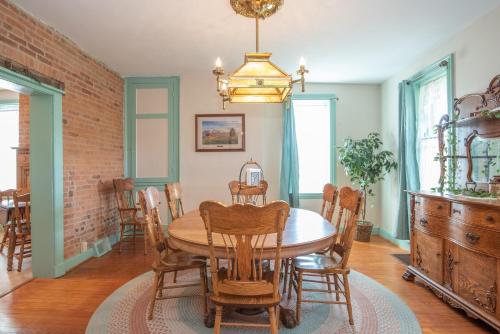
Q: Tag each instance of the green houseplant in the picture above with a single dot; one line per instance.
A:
(366, 164)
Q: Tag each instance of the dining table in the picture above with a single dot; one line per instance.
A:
(305, 232)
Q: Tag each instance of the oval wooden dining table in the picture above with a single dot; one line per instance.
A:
(305, 232)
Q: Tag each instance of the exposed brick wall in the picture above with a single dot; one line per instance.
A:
(92, 121)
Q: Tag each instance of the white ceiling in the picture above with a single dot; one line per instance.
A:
(342, 40)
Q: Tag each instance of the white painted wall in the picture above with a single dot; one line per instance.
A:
(476, 51)
(205, 175)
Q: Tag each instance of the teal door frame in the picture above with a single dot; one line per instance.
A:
(46, 172)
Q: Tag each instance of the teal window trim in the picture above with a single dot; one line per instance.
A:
(440, 68)
(333, 109)
(172, 84)
(443, 67)
(9, 105)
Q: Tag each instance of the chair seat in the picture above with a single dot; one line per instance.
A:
(317, 263)
(179, 261)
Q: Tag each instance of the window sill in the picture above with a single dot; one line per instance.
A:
(311, 196)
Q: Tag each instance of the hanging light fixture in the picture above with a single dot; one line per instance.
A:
(258, 80)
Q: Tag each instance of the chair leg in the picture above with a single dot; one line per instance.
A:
(348, 298)
(204, 290)
(278, 323)
(337, 287)
(122, 228)
(175, 277)
(218, 319)
(20, 257)
(329, 283)
(290, 281)
(145, 240)
(161, 285)
(154, 290)
(133, 238)
(285, 274)
(272, 319)
(5, 236)
(299, 297)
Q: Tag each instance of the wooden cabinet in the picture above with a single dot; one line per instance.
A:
(455, 250)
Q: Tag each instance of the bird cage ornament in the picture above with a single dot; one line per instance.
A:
(250, 185)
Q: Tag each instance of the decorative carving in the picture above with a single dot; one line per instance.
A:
(487, 100)
(418, 258)
(450, 265)
(486, 299)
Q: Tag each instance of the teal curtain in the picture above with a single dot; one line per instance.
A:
(289, 179)
(408, 178)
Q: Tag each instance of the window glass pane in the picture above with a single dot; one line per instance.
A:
(151, 148)
(9, 137)
(151, 101)
(312, 126)
(432, 104)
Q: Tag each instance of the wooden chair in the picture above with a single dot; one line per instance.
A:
(166, 261)
(335, 263)
(173, 192)
(6, 202)
(330, 193)
(248, 194)
(242, 230)
(22, 225)
(124, 193)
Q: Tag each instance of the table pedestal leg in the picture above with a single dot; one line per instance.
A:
(287, 317)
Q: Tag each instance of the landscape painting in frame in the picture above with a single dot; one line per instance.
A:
(220, 132)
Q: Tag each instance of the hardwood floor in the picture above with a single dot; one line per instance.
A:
(65, 305)
(9, 280)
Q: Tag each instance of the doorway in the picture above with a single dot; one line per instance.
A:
(46, 171)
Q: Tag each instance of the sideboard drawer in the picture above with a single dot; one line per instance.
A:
(430, 224)
(478, 239)
(432, 206)
(475, 215)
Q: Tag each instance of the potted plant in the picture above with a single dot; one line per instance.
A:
(365, 164)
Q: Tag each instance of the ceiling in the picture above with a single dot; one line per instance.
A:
(343, 41)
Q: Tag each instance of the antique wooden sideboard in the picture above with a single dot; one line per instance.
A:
(455, 237)
(455, 250)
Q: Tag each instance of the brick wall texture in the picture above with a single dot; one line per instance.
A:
(24, 121)
(92, 121)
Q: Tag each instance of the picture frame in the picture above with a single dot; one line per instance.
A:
(220, 132)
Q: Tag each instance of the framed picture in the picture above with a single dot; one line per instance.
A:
(220, 132)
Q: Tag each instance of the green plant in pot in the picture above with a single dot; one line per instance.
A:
(365, 164)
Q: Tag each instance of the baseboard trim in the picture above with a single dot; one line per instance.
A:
(405, 244)
(84, 256)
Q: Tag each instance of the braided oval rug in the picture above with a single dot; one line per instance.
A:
(376, 310)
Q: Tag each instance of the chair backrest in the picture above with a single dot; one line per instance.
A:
(124, 192)
(330, 194)
(153, 231)
(7, 196)
(349, 205)
(173, 192)
(240, 193)
(22, 212)
(243, 229)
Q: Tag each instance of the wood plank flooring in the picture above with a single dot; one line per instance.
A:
(65, 305)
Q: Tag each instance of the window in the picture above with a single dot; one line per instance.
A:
(314, 127)
(9, 138)
(432, 105)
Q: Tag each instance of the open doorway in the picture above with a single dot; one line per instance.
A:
(14, 181)
(38, 169)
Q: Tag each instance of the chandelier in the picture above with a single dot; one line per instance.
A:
(258, 80)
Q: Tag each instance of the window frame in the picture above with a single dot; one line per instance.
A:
(333, 157)
(172, 84)
(443, 67)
